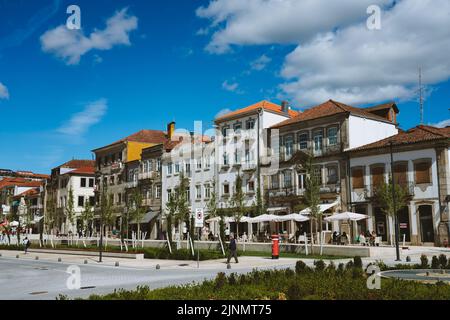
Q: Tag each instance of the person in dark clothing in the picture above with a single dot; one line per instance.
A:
(232, 250)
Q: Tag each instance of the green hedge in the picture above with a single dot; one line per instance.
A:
(347, 282)
(181, 254)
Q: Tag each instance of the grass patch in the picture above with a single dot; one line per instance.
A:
(292, 255)
(324, 282)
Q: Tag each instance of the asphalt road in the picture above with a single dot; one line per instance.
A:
(37, 280)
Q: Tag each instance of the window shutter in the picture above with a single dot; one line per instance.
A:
(358, 178)
(422, 171)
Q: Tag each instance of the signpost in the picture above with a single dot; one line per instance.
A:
(199, 218)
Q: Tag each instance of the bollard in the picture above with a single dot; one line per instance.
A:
(158, 267)
(17, 256)
(85, 262)
(0, 254)
(228, 266)
(59, 259)
(117, 263)
(36, 258)
(408, 259)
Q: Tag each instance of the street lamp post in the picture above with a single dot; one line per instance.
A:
(394, 202)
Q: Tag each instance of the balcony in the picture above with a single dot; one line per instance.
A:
(328, 150)
(407, 186)
(249, 166)
(149, 175)
(131, 185)
(330, 188)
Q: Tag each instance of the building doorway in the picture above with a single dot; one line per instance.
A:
(404, 224)
(361, 224)
(426, 223)
(380, 224)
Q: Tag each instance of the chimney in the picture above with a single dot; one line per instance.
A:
(285, 106)
(170, 130)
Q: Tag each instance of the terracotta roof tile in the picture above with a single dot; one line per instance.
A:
(21, 182)
(74, 164)
(414, 135)
(146, 136)
(326, 109)
(266, 105)
(82, 170)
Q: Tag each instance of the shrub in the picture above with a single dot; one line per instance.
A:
(350, 265)
(294, 292)
(331, 267)
(424, 262)
(320, 265)
(232, 279)
(435, 263)
(300, 267)
(443, 261)
(220, 280)
(357, 262)
(340, 268)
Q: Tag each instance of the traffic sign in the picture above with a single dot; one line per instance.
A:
(199, 218)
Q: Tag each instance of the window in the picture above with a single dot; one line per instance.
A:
(169, 194)
(332, 136)
(177, 168)
(332, 177)
(188, 168)
(303, 141)
(158, 192)
(301, 181)
(225, 131)
(91, 183)
(169, 168)
(275, 181)
(289, 146)
(422, 172)
(198, 192)
(317, 174)
(158, 165)
(149, 166)
(358, 178)
(188, 194)
(199, 163)
(377, 174)
(251, 186)
(237, 127)
(250, 124)
(92, 201)
(226, 189)
(237, 157)
(207, 162)
(287, 179)
(83, 182)
(207, 191)
(401, 173)
(318, 141)
(225, 159)
(80, 201)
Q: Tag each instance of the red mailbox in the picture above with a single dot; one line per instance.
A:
(275, 246)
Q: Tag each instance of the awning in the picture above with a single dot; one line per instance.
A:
(263, 218)
(292, 217)
(322, 208)
(345, 216)
(149, 216)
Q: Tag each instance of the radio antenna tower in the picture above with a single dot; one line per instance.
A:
(421, 95)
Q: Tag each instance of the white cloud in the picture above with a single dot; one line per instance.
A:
(356, 65)
(222, 113)
(80, 122)
(231, 86)
(71, 45)
(4, 93)
(337, 56)
(260, 63)
(442, 124)
(251, 22)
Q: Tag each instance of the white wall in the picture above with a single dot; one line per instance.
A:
(363, 131)
(420, 193)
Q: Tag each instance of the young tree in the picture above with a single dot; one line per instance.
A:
(137, 212)
(50, 214)
(87, 217)
(183, 203)
(383, 197)
(70, 211)
(214, 211)
(106, 210)
(171, 210)
(312, 195)
(238, 202)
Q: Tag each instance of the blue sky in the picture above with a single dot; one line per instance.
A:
(64, 93)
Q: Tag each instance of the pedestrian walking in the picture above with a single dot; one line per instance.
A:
(232, 250)
(26, 244)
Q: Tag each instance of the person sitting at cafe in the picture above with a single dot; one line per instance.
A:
(362, 239)
(335, 237)
(344, 238)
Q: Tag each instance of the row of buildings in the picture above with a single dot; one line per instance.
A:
(264, 144)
